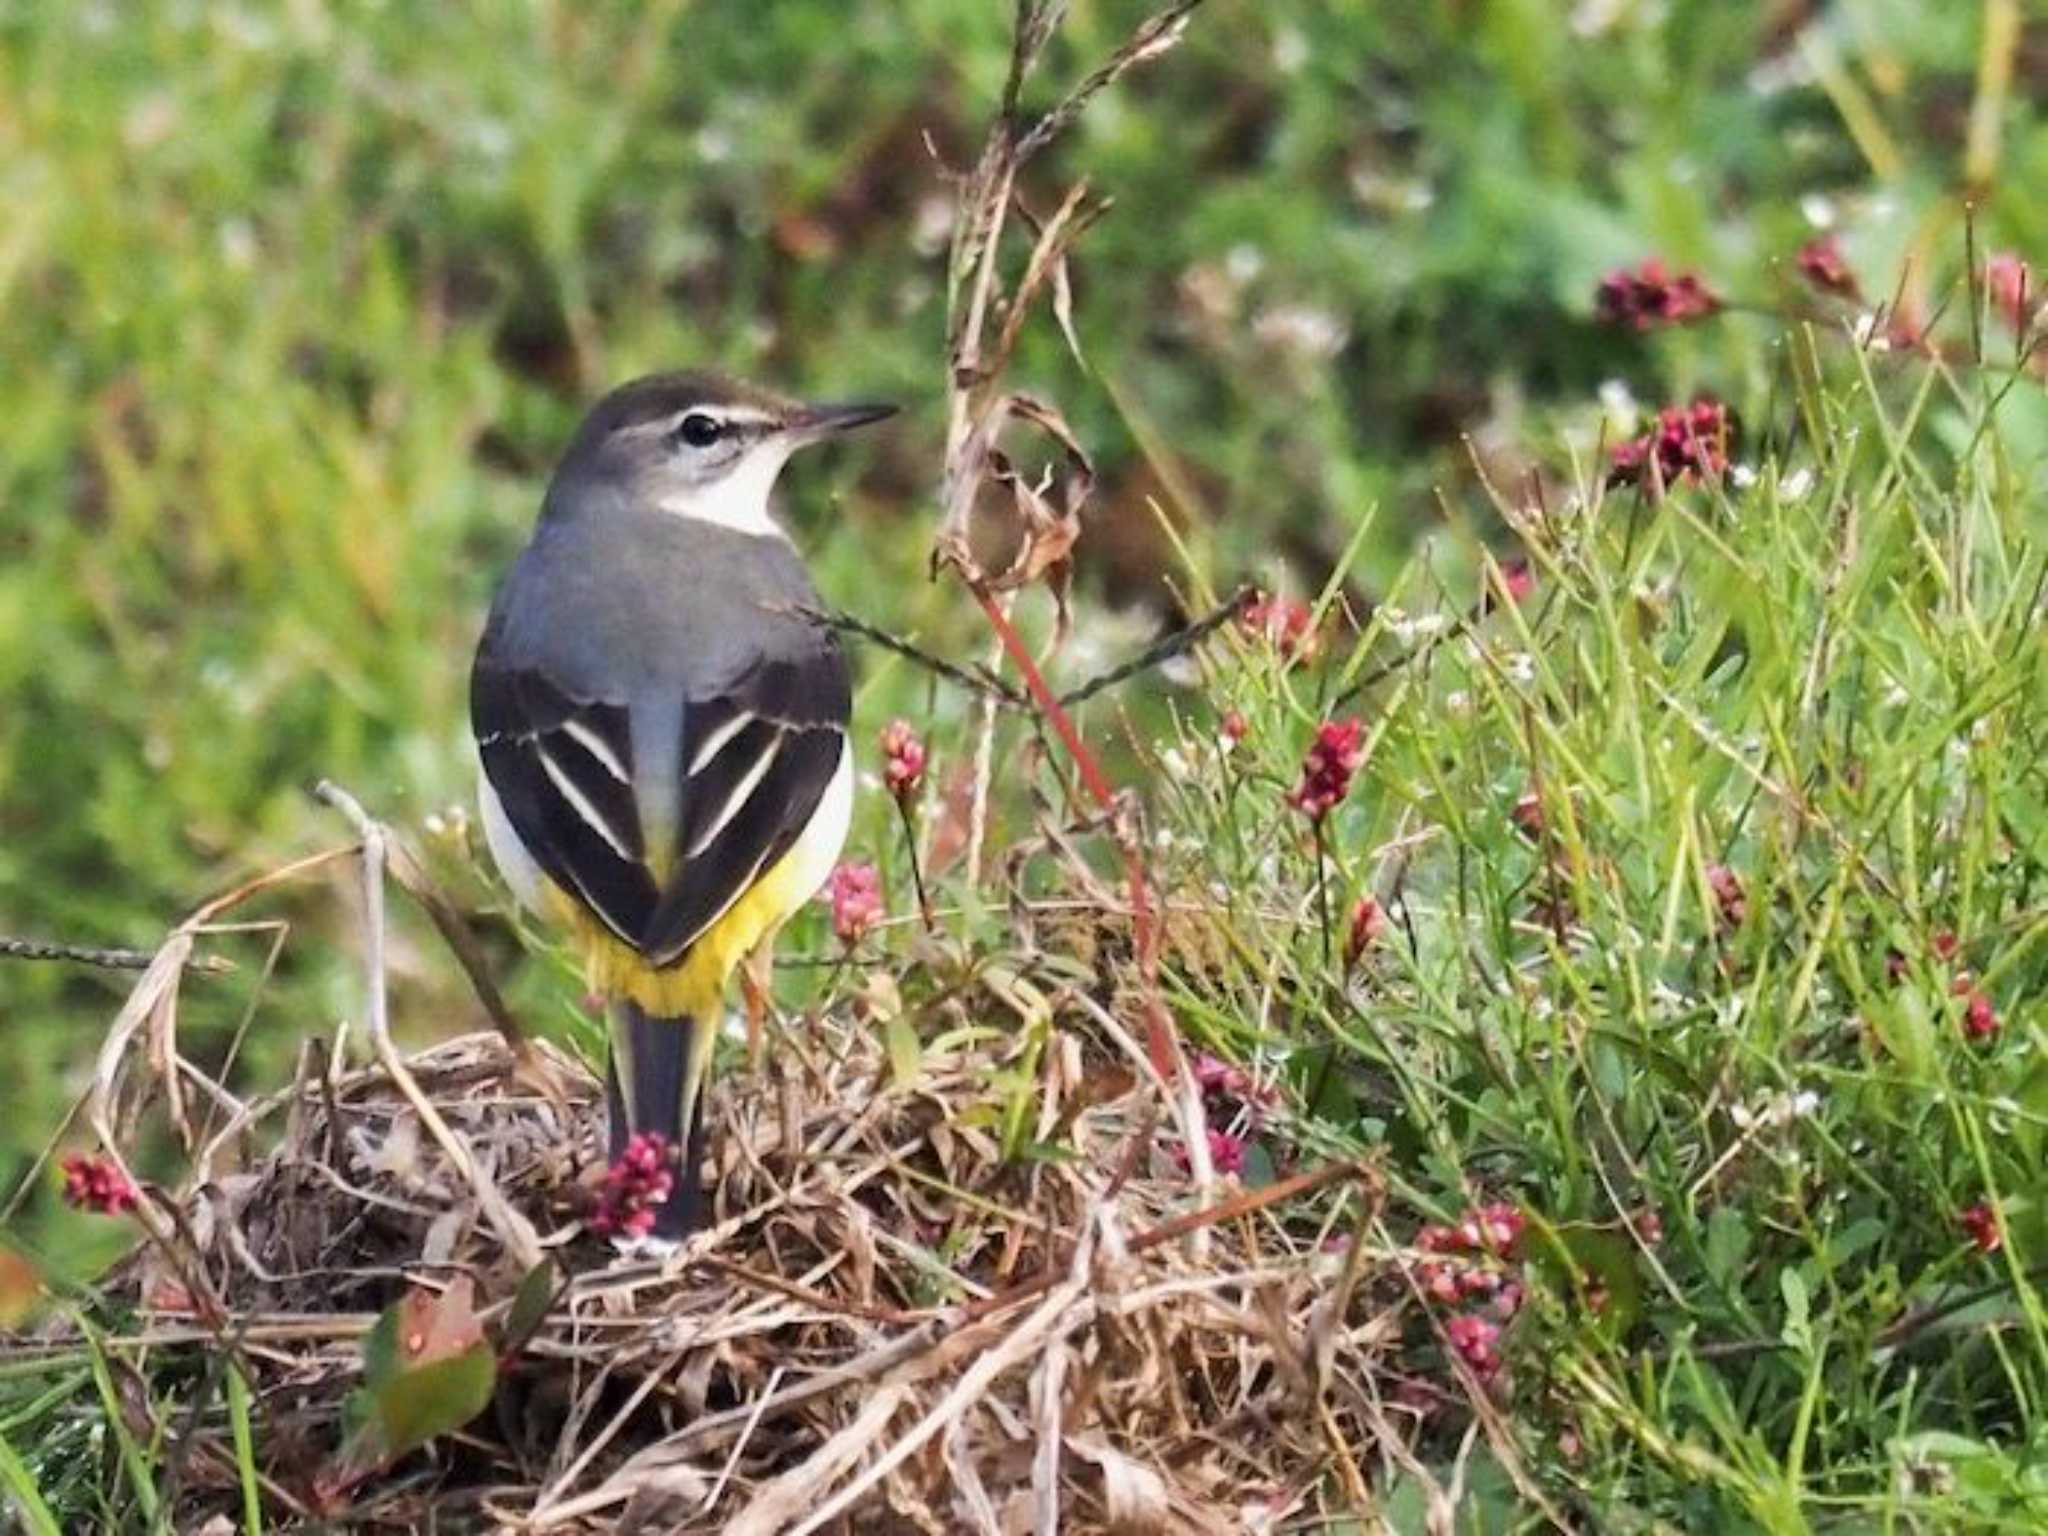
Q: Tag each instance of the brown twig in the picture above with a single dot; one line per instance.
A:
(513, 1229)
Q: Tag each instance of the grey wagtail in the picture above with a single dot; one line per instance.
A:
(666, 772)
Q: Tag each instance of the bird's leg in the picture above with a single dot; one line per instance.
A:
(755, 976)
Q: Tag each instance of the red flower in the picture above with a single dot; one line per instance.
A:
(1651, 296)
(1477, 1342)
(1214, 1075)
(1687, 440)
(1517, 579)
(2011, 286)
(903, 760)
(1729, 899)
(1945, 944)
(1439, 1282)
(1980, 1018)
(1981, 1225)
(1368, 924)
(1226, 1153)
(1821, 263)
(1285, 623)
(1494, 1228)
(1337, 753)
(1527, 815)
(856, 891)
(97, 1184)
(1234, 727)
(639, 1179)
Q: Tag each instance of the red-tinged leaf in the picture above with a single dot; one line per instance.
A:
(427, 1371)
(423, 1328)
(20, 1288)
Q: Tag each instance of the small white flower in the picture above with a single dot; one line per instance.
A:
(1742, 476)
(1869, 335)
(714, 145)
(1302, 329)
(1896, 696)
(1421, 627)
(1795, 485)
(1819, 210)
(1243, 263)
(1458, 702)
(1175, 764)
(1619, 406)
(1290, 50)
(1521, 669)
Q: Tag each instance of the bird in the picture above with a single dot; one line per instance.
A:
(662, 726)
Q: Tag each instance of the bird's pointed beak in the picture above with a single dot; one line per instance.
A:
(810, 423)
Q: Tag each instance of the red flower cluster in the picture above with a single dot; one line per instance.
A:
(856, 891)
(1980, 1018)
(1730, 900)
(1822, 264)
(903, 760)
(1477, 1341)
(1651, 296)
(1337, 753)
(1285, 623)
(1226, 1152)
(1228, 1093)
(2010, 285)
(1468, 1269)
(1687, 440)
(97, 1184)
(1980, 1225)
(1368, 925)
(641, 1178)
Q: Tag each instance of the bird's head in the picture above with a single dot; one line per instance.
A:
(700, 445)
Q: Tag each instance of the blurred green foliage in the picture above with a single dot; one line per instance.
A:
(301, 300)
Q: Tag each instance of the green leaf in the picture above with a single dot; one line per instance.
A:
(906, 1055)
(1798, 1329)
(529, 1308)
(433, 1399)
(1596, 1266)
(1727, 1244)
(427, 1370)
(20, 1483)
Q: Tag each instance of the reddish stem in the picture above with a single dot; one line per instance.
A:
(1160, 1041)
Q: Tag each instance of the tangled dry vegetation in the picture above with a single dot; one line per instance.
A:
(891, 1326)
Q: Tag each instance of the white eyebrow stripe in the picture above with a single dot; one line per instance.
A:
(715, 742)
(580, 804)
(740, 793)
(597, 747)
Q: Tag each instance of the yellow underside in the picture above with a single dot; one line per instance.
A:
(694, 987)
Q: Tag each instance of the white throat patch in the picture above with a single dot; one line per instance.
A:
(737, 500)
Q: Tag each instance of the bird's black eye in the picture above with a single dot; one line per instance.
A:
(699, 430)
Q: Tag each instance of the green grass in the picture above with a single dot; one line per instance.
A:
(1831, 684)
(301, 306)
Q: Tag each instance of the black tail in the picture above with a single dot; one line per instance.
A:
(656, 1083)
